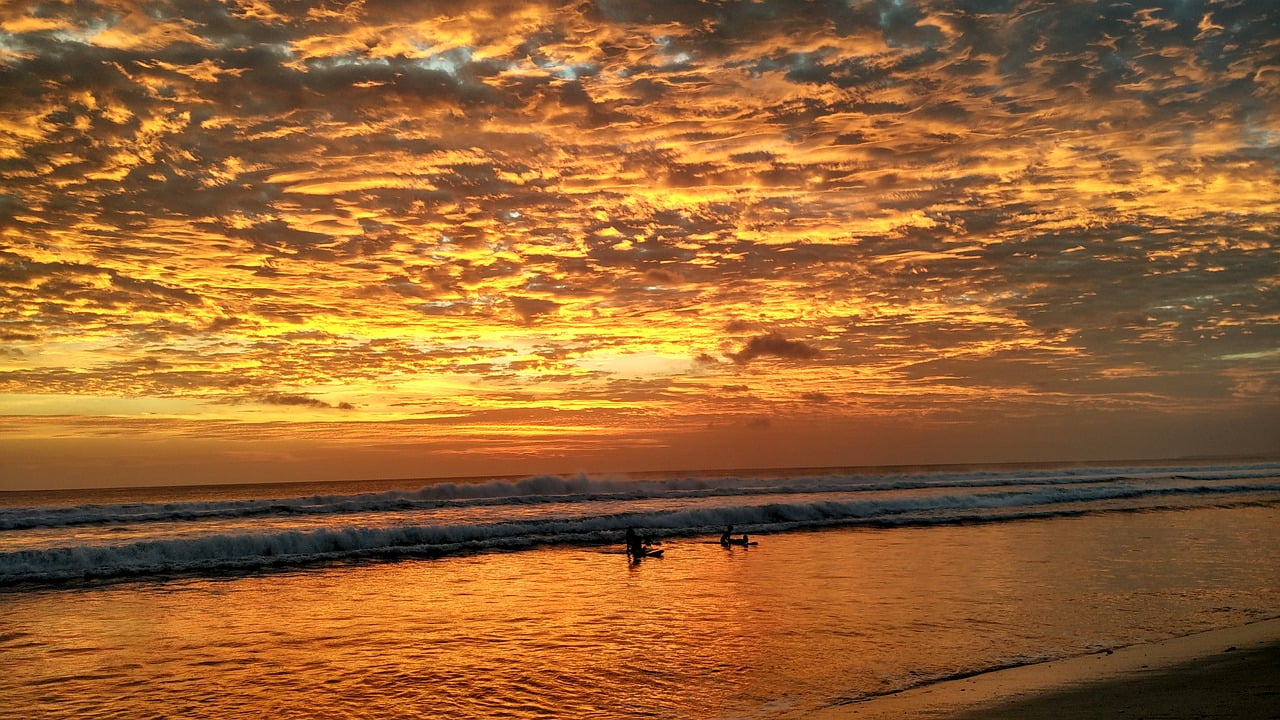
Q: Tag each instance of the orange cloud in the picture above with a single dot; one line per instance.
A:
(635, 212)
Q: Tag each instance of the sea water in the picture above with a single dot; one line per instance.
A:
(512, 597)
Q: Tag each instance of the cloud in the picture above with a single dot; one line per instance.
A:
(154, 289)
(774, 344)
(530, 309)
(293, 400)
(1015, 206)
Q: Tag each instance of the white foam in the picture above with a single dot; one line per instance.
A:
(583, 488)
(230, 553)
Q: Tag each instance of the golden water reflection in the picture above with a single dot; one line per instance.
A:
(799, 622)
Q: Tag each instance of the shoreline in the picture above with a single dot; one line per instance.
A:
(1229, 673)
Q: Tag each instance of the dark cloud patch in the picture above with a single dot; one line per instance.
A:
(224, 323)
(774, 344)
(10, 203)
(593, 113)
(21, 270)
(278, 237)
(293, 400)
(530, 309)
(396, 286)
(58, 287)
(663, 276)
(155, 289)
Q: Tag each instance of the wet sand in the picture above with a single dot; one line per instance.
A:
(1230, 673)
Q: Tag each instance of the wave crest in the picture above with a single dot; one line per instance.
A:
(250, 551)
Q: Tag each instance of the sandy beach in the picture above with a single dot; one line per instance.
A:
(1229, 673)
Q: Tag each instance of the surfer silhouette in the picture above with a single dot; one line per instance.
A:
(727, 536)
(635, 546)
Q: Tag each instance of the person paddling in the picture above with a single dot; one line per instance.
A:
(635, 546)
(728, 539)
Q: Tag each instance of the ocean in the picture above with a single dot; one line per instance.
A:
(514, 598)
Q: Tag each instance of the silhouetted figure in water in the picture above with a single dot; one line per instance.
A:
(727, 537)
(635, 545)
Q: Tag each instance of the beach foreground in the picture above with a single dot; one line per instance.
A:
(1229, 673)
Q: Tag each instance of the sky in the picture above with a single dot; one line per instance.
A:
(259, 240)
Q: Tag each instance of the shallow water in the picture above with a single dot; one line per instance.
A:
(804, 620)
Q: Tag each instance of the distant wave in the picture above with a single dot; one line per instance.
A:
(583, 488)
(247, 552)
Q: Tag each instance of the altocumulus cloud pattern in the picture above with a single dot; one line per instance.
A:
(561, 227)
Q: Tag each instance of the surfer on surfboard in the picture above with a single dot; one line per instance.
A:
(638, 547)
(635, 546)
(727, 538)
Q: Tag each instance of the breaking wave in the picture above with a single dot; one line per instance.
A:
(222, 553)
(584, 488)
